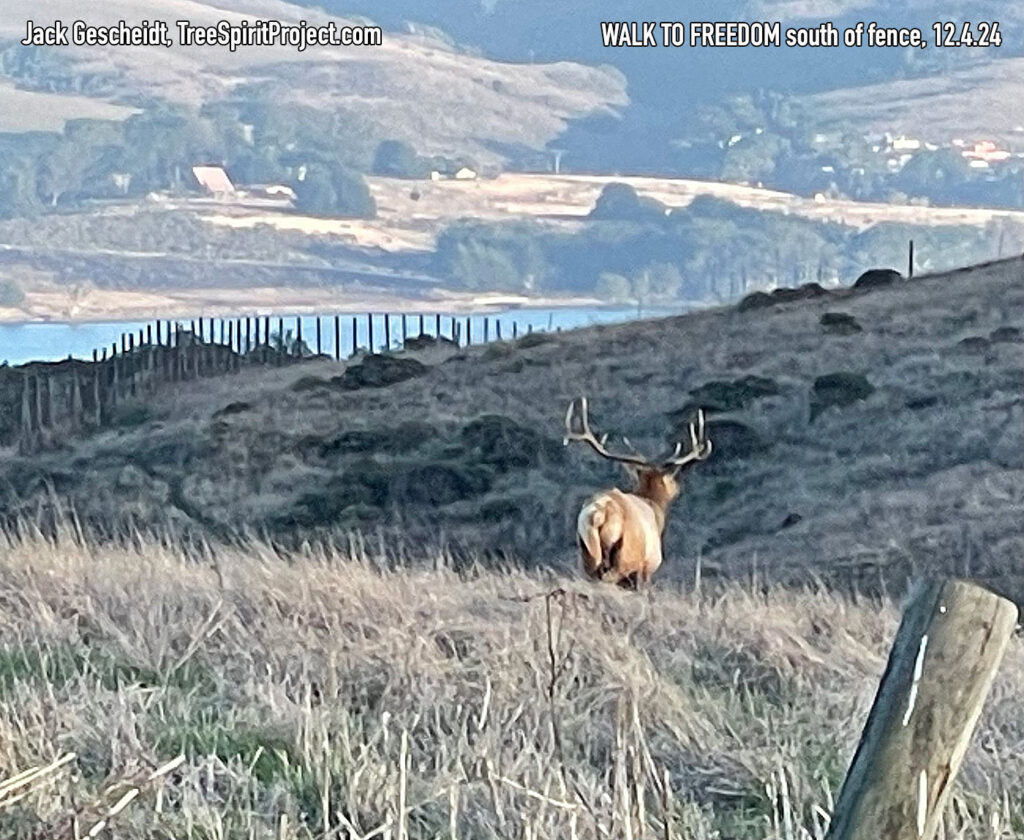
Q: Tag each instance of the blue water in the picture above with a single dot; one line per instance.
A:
(51, 341)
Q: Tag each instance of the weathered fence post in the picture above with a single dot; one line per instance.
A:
(355, 335)
(437, 324)
(319, 347)
(387, 332)
(26, 414)
(97, 408)
(910, 260)
(337, 338)
(943, 660)
(369, 327)
(515, 330)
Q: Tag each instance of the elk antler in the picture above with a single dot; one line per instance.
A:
(700, 446)
(584, 434)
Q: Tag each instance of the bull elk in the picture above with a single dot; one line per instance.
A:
(620, 533)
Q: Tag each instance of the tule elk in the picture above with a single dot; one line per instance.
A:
(620, 533)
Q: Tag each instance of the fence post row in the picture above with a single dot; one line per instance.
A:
(173, 351)
(943, 660)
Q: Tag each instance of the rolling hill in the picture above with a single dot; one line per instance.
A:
(442, 98)
(882, 443)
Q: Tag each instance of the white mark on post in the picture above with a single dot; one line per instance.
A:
(918, 669)
(922, 802)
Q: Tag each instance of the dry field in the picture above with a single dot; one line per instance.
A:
(336, 695)
(405, 223)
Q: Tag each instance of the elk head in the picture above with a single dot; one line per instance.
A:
(619, 533)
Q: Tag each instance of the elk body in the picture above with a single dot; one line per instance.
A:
(620, 533)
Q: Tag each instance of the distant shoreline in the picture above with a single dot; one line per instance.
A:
(103, 306)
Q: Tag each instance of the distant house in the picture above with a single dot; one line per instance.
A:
(986, 151)
(464, 174)
(214, 180)
(905, 144)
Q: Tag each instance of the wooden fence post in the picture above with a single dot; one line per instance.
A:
(369, 327)
(26, 413)
(337, 338)
(437, 324)
(910, 260)
(97, 409)
(355, 333)
(387, 332)
(942, 663)
(319, 347)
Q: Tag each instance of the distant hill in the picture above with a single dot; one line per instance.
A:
(415, 87)
(969, 102)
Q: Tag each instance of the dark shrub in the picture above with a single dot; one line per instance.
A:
(379, 372)
(232, 408)
(1006, 334)
(505, 444)
(310, 383)
(974, 344)
(726, 395)
(438, 483)
(755, 300)
(838, 389)
(840, 323)
(535, 339)
(401, 438)
(426, 342)
(875, 278)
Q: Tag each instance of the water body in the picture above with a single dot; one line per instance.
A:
(51, 341)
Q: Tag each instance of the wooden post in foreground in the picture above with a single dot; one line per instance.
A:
(910, 261)
(945, 655)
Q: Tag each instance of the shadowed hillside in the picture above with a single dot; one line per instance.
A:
(858, 438)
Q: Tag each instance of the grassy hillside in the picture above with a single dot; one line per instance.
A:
(440, 98)
(326, 696)
(968, 102)
(916, 466)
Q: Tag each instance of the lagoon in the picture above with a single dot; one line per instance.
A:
(50, 341)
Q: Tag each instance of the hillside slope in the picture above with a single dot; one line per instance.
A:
(923, 474)
(414, 87)
(969, 102)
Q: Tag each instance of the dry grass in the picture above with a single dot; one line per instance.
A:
(334, 695)
(563, 201)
